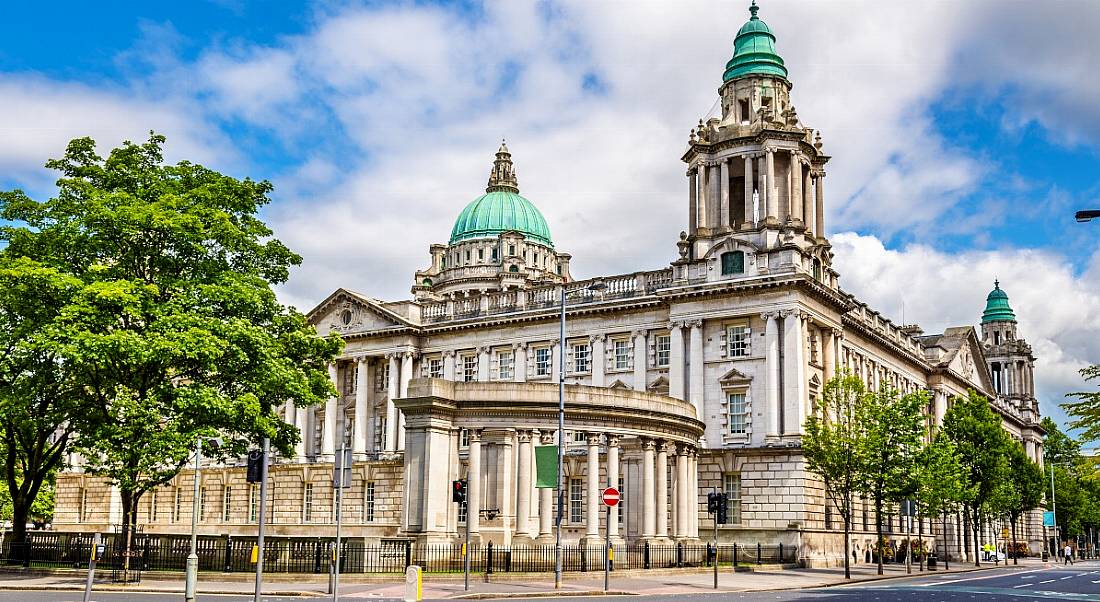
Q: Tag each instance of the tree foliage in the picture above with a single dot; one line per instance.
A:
(834, 446)
(1086, 409)
(172, 327)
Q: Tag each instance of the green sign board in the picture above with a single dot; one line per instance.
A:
(546, 466)
(1048, 519)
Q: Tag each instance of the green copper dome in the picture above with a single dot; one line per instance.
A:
(754, 51)
(501, 208)
(996, 306)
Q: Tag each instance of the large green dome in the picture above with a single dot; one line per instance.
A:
(754, 51)
(501, 208)
(996, 306)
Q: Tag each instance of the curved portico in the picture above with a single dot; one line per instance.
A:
(493, 426)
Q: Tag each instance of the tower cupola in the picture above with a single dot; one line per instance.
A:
(754, 51)
(996, 306)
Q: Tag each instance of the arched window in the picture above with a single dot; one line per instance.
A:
(733, 262)
(817, 269)
(427, 282)
(514, 268)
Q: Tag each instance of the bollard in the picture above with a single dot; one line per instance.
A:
(780, 552)
(645, 555)
(735, 556)
(414, 587)
(228, 565)
(679, 554)
(408, 554)
(489, 560)
(757, 553)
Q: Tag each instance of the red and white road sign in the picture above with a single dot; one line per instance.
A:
(610, 497)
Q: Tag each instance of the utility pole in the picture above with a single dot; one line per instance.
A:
(261, 520)
(341, 468)
(192, 566)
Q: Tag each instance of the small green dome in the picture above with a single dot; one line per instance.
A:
(501, 208)
(996, 306)
(754, 51)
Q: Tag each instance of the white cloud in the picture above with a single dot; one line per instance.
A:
(1058, 310)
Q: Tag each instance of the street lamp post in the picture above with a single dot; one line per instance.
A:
(1087, 215)
(560, 491)
(192, 566)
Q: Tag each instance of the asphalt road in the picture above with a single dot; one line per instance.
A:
(1078, 582)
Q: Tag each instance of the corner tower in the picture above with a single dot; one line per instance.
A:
(755, 174)
(500, 241)
(1011, 361)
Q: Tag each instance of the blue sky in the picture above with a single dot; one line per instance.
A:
(963, 135)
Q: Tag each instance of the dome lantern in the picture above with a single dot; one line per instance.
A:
(501, 208)
(996, 306)
(754, 51)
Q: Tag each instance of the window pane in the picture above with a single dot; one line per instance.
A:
(737, 414)
(738, 337)
(664, 346)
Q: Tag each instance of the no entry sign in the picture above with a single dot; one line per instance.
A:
(610, 496)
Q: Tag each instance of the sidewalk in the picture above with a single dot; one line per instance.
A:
(684, 581)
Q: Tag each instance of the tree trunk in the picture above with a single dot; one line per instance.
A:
(977, 522)
(878, 532)
(848, 543)
(920, 538)
(1014, 560)
(966, 532)
(129, 522)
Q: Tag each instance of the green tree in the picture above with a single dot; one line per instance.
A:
(39, 404)
(1086, 409)
(982, 448)
(894, 429)
(833, 445)
(939, 483)
(174, 330)
(1076, 482)
(1024, 486)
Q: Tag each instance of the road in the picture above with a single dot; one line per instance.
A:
(1078, 582)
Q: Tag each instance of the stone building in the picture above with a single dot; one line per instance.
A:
(679, 380)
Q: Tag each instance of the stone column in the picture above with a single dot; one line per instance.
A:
(771, 368)
(372, 403)
(695, 346)
(772, 192)
(483, 364)
(523, 484)
(593, 513)
(808, 201)
(362, 403)
(794, 373)
(693, 200)
(704, 196)
(828, 355)
(649, 517)
(693, 494)
(546, 499)
(406, 376)
(328, 434)
(676, 360)
(795, 195)
(599, 361)
(748, 190)
(613, 481)
(301, 420)
(391, 409)
(473, 484)
(820, 190)
(519, 360)
(661, 490)
(724, 186)
(639, 361)
(449, 364)
(682, 488)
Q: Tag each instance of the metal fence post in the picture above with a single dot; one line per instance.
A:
(27, 553)
(679, 554)
(489, 559)
(408, 554)
(757, 552)
(317, 555)
(734, 556)
(780, 552)
(228, 553)
(645, 556)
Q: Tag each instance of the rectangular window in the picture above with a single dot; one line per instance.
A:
(863, 501)
(177, 505)
(464, 437)
(542, 361)
(581, 357)
(576, 501)
(738, 339)
(435, 367)
(580, 436)
(469, 368)
(621, 349)
(663, 348)
(253, 502)
(462, 513)
(227, 502)
(494, 254)
(739, 415)
(828, 508)
(386, 377)
(368, 502)
(731, 484)
(83, 510)
(153, 506)
(307, 503)
(505, 367)
(202, 503)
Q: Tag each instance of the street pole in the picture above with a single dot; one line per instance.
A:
(261, 521)
(339, 466)
(1054, 509)
(909, 538)
(91, 568)
(192, 566)
(466, 549)
(607, 550)
(716, 544)
(561, 443)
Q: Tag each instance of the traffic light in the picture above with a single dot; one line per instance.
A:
(712, 503)
(458, 491)
(255, 466)
(720, 515)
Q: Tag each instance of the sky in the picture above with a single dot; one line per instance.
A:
(963, 134)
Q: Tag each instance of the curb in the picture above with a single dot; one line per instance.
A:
(555, 594)
(140, 590)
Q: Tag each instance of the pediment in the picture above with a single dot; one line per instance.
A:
(659, 385)
(735, 377)
(618, 384)
(731, 243)
(968, 358)
(345, 311)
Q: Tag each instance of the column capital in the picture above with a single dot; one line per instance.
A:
(639, 332)
(449, 353)
(362, 360)
(483, 349)
(694, 324)
(519, 346)
(597, 338)
(663, 446)
(546, 437)
(554, 342)
(837, 333)
(523, 435)
(648, 444)
(594, 438)
(475, 435)
(769, 315)
(612, 440)
(677, 324)
(410, 355)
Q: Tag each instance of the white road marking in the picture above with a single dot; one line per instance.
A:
(1062, 579)
(1047, 581)
(977, 578)
(1022, 585)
